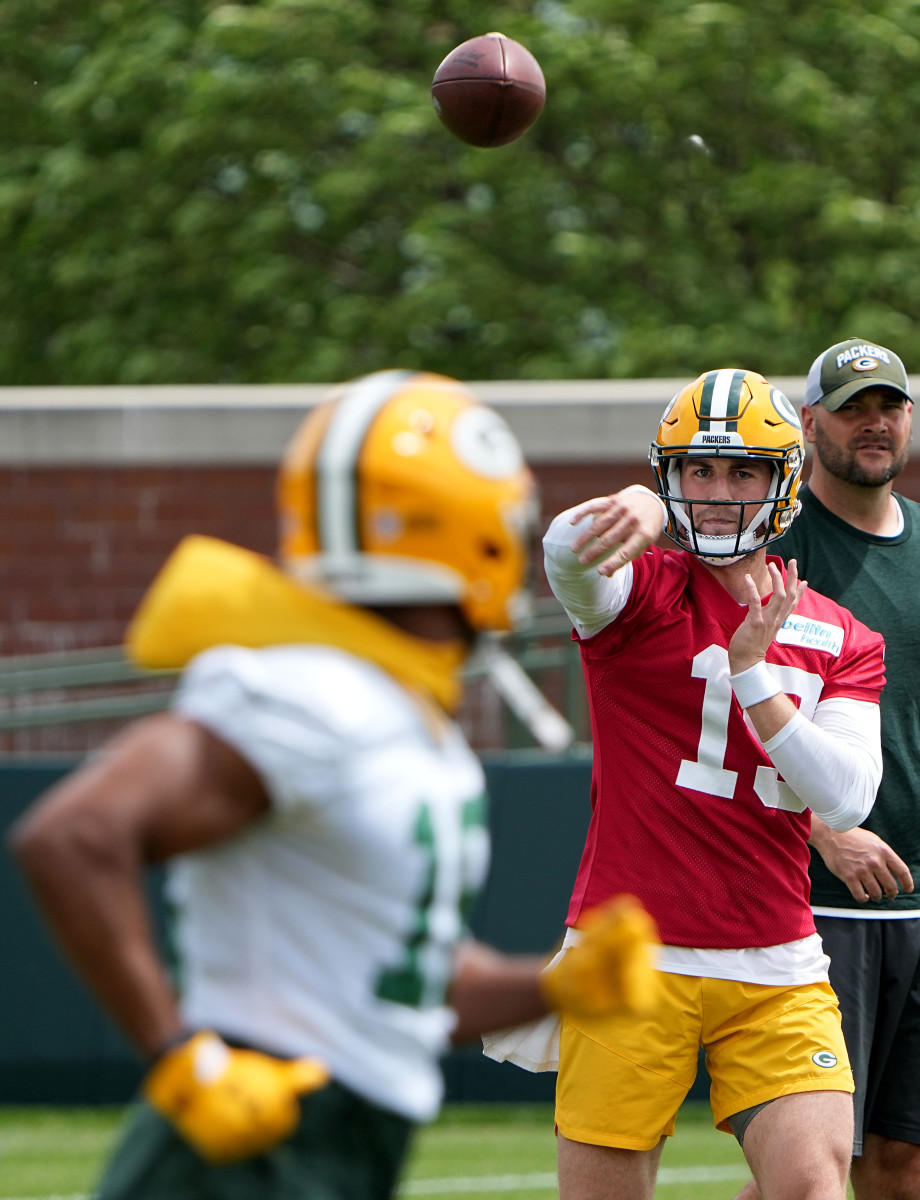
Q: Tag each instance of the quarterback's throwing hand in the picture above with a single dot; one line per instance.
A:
(610, 968)
(622, 527)
(230, 1104)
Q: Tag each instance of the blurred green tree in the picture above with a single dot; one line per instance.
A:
(261, 192)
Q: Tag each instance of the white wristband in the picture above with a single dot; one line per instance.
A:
(754, 684)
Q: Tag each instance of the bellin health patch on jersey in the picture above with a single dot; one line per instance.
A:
(813, 635)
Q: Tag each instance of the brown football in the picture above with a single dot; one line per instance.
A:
(488, 90)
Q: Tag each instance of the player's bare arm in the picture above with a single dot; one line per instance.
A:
(490, 990)
(164, 786)
(624, 525)
(866, 864)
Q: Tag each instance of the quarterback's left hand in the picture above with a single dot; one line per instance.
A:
(756, 633)
(609, 969)
(230, 1104)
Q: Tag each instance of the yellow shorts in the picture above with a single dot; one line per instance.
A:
(622, 1079)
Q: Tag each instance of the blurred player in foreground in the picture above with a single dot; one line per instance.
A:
(727, 701)
(323, 816)
(860, 543)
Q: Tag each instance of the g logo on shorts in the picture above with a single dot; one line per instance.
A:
(824, 1058)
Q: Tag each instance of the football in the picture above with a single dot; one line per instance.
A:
(488, 90)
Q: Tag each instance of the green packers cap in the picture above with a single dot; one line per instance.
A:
(845, 369)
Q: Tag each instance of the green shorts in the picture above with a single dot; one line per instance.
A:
(343, 1149)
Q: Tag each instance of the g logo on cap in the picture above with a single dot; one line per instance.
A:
(865, 364)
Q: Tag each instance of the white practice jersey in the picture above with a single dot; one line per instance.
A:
(328, 927)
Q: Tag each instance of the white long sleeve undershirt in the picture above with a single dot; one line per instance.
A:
(833, 763)
(591, 601)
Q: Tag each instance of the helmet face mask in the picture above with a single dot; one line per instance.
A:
(732, 414)
(404, 489)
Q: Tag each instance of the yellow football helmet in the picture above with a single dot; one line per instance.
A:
(730, 413)
(402, 488)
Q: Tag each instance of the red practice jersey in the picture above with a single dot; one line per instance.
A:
(689, 813)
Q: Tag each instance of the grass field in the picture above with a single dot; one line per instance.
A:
(508, 1152)
(492, 1152)
(503, 1152)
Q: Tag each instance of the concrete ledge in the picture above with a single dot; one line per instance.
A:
(555, 420)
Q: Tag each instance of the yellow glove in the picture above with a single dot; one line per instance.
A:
(609, 970)
(230, 1104)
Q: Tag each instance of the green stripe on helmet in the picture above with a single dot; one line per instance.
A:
(705, 413)
(733, 402)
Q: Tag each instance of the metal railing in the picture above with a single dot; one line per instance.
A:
(536, 671)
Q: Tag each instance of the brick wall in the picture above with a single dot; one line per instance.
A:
(81, 545)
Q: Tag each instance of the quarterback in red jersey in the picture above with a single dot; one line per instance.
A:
(728, 702)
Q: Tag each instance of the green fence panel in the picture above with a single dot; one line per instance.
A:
(57, 1046)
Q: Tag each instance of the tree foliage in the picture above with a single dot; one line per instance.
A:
(261, 192)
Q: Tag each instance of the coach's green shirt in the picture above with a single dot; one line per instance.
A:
(878, 580)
